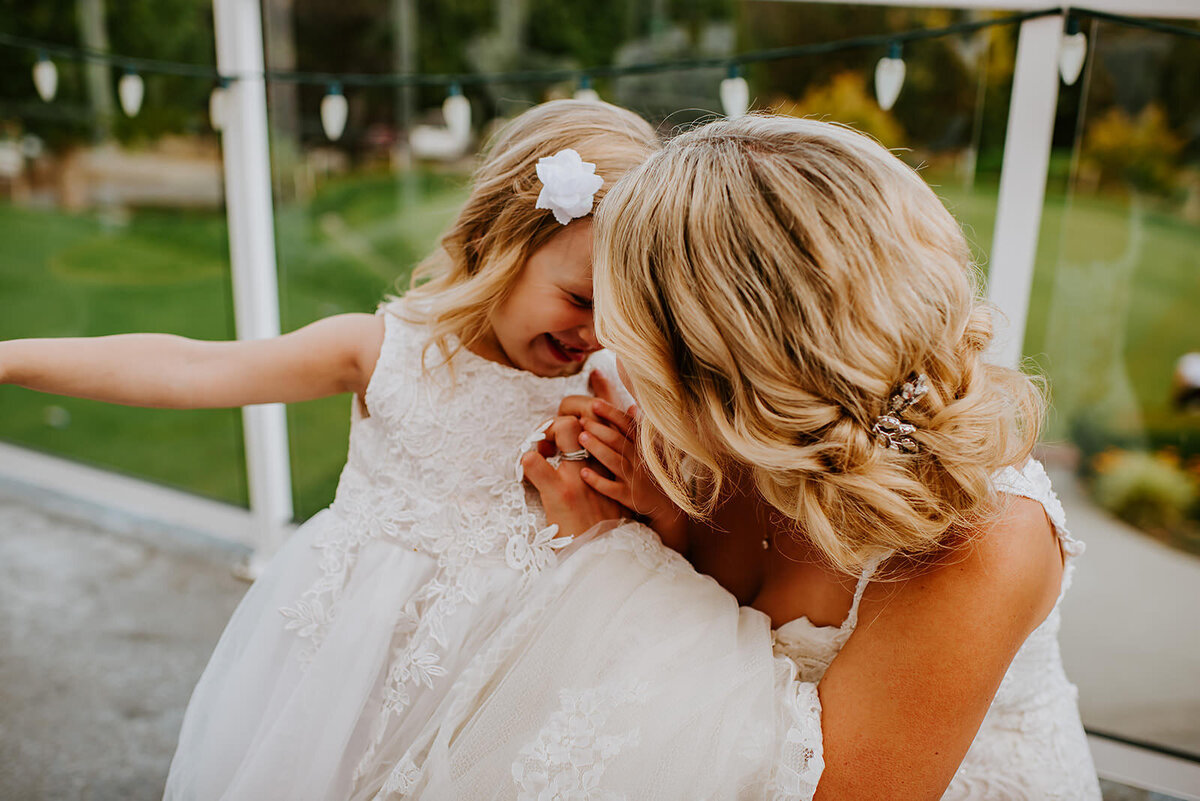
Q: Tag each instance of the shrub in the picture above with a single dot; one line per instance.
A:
(1142, 152)
(1148, 490)
(846, 99)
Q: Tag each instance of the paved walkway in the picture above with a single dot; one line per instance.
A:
(103, 633)
(104, 630)
(1130, 635)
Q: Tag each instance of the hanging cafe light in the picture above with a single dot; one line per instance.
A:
(889, 77)
(1072, 52)
(735, 93)
(218, 104)
(45, 77)
(131, 90)
(585, 91)
(334, 110)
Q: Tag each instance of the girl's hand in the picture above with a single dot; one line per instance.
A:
(569, 502)
(610, 436)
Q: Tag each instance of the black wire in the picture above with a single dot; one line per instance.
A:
(523, 76)
(132, 63)
(1134, 22)
(554, 76)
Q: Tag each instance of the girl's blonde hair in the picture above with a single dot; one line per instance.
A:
(482, 254)
(768, 284)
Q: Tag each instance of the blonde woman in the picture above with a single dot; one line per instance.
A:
(793, 310)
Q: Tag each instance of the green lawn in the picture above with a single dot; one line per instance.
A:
(77, 275)
(1115, 302)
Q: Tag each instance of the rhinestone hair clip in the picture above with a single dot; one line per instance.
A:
(892, 432)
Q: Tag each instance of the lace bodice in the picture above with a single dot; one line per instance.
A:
(434, 463)
(813, 647)
(433, 467)
(1032, 727)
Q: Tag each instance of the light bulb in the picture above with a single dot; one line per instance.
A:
(45, 78)
(735, 94)
(1072, 52)
(131, 90)
(585, 92)
(456, 110)
(889, 77)
(334, 110)
(218, 103)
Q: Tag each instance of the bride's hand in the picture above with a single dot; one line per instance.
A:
(569, 502)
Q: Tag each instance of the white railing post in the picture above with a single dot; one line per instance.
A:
(238, 28)
(1023, 182)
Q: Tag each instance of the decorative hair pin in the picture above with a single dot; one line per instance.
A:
(892, 432)
(568, 185)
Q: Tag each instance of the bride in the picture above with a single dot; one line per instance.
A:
(793, 310)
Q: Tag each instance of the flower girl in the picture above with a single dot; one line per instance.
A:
(353, 634)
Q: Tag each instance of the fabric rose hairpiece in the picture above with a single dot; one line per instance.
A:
(568, 185)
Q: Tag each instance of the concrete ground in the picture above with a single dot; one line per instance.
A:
(105, 627)
(103, 633)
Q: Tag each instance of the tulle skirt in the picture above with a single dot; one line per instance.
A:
(624, 675)
(274, 718)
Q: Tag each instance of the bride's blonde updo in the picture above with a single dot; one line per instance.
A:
(768, 284)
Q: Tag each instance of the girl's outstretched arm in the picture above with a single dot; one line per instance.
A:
(328, 357)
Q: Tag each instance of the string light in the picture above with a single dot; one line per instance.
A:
(585, 92)
(131, 90)
(1072, 52)
(735, 93)
(217, 102)
(445, 142)
(334, 111)
(889, 77)
(45, 77)
(456, 110)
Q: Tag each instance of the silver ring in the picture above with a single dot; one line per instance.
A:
(580, 455)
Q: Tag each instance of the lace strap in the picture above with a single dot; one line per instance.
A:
(1032, 482)
(863, 580)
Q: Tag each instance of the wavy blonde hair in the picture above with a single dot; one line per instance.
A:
(768, 283)
(481, 255)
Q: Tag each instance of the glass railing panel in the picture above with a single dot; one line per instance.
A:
(115, 224)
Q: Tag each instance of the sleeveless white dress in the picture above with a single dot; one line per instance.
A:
(343, 650)
(626, 675)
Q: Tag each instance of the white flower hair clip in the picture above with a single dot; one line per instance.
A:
(568, 185)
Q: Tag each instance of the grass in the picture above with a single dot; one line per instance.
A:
(78, 275)
(1114, 303)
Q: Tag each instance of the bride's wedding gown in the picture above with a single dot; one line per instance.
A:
(626, 675)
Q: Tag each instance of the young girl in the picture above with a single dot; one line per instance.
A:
(351, 637)
(793, 309)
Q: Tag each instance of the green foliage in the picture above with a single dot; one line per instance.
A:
(1142, 152)
(846, 99)
(1147, 490)
(173, 30)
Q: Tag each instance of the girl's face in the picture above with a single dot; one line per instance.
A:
(544, 326)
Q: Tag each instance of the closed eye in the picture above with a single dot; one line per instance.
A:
(580, 301)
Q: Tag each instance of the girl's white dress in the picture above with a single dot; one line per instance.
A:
(344, 648)
(626, 675)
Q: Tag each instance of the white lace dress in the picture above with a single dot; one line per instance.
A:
(344, 648)
(629, 676)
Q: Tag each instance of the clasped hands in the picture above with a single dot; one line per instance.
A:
(613, 483)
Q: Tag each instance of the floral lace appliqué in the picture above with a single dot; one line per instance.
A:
(430, 471)
(568, 758)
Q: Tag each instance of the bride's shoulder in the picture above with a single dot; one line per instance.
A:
(1010, 569)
